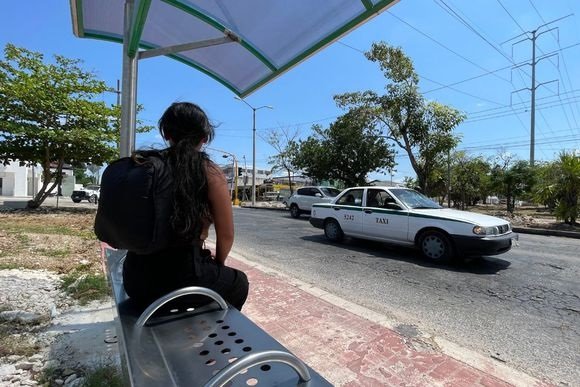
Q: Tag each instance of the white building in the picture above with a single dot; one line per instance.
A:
(21, 181)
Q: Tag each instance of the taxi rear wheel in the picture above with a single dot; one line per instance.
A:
(436, 246)
(333, 231)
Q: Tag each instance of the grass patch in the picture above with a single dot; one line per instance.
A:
(105, 376)
(85, 287)
(101, 376)
(22, 238)
(9, 265)
(15, 344)
(14, 339)
(56, 253)
(28, 228)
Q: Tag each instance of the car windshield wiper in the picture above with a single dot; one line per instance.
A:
(426, 207)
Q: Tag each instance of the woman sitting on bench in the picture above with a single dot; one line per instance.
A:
(201, 197)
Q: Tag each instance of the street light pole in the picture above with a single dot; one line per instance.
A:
(253, 156)
(253, 145)
(235, 174)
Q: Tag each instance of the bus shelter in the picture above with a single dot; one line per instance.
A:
(243, 44)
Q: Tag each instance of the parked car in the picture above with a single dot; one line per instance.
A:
(303, 199)
(406, 217)
(89, 193)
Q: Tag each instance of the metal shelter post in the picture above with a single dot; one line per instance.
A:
(129, 89)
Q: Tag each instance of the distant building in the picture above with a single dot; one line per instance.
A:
(22, 181)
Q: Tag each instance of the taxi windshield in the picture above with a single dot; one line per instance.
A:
(332, 192)
(414, 199)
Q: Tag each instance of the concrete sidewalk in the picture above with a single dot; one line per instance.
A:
(353, 346)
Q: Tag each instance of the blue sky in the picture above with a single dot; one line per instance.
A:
(457, 47)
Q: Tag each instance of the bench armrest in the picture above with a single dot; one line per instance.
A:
(254, 359)
(190, 290)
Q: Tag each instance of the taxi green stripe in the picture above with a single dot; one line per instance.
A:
(390, 212)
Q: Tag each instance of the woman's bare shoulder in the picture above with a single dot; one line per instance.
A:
(214, 172)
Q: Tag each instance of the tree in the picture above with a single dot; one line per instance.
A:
(50, 115)
(424, 130)
(284, 142)
(348, 150)
(513, 180)
(544, 191)
(81, 176)
(94, 169)
(568, 187)
(469, 180)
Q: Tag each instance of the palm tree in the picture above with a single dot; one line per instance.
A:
(568, 187)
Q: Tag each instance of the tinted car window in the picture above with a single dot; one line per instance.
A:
(351, 198)
(378, 198)
(302, 191)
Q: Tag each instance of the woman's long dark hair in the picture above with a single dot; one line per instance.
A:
(185, 125)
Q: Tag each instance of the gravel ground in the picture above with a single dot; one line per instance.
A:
(46, 337)
(57, 330)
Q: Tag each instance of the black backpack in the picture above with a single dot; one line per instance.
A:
(136, 203)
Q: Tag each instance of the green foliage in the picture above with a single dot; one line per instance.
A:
(85, 287)
(544, 192)
(469, 180)
(424, 130)
(567, 188)
(514, 180)
(347, 151)
(105, 376)
(284, 142)
(81, 176)
(50, 115)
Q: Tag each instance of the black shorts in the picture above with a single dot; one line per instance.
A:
(149, 277)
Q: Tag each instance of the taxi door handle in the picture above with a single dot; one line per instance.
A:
(336, 208)
(368, 211)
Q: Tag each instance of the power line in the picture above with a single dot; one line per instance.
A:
(558, 68)
(442, 45)
(473, 29)
(494, 71)
(519, 111)
(456, 15)
(520, 103)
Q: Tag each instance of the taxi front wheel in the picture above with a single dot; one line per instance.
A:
(333, 231)
(436, 246)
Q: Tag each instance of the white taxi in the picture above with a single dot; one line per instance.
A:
(406, 217)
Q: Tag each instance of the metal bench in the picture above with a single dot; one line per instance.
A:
(173, 344)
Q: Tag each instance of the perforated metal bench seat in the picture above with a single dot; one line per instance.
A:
(212, 345)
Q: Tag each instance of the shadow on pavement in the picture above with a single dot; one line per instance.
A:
(475, 265)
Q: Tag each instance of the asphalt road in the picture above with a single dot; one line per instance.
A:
(522, 307)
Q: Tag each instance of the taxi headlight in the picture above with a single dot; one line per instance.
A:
(478, 230)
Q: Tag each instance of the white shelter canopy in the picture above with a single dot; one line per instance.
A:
(243, 44)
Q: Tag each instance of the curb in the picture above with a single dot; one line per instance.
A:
(547, 232)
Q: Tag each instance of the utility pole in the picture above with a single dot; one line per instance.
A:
(448, 178)
(118, 92)
(533, 36)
